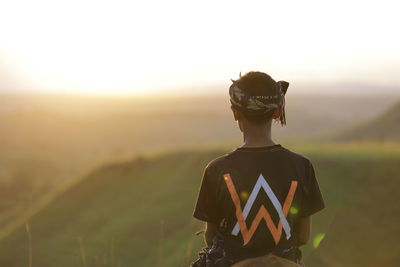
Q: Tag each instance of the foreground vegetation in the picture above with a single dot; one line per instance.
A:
(138, 212)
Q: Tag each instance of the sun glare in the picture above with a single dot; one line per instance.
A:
(128, 46)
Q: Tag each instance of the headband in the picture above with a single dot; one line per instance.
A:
(259, 104)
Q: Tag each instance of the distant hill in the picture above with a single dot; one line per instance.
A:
(385, 127)
(138, 213)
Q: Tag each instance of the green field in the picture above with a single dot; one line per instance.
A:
(138, 212)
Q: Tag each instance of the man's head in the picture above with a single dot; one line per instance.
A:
(256, 98)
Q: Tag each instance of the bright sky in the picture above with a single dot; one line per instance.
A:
(148, 46)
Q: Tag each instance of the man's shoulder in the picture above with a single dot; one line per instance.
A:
(218, 162)
(298, 157)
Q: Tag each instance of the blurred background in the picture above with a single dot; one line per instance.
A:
(110, 110)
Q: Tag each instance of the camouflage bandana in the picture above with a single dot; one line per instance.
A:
(261, 104)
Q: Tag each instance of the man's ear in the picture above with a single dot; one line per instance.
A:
(277, 113)
(236, 114)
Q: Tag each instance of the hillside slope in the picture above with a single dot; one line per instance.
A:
(386, 127)
(138, 213)
(83, 131)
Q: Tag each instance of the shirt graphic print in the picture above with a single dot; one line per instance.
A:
(262, 213)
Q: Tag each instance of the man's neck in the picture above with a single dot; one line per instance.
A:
(257, 135)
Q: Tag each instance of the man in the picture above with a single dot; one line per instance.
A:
(257, 200)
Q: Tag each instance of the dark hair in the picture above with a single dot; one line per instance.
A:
(257, 83)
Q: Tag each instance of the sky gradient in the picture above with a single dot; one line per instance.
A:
(151, 46)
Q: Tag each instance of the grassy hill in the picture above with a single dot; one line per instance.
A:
(47, 139)
(385, 127)
(138, 212)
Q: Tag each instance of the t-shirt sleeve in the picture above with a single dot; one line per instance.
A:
(206, 207)
(312, 201)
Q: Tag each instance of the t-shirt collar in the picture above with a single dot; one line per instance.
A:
(259, 148)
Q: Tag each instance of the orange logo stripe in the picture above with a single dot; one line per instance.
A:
(261, 214)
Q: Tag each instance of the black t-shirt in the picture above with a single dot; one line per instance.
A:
(256, 194)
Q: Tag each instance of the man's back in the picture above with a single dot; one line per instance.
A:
(259, 197)
(256, 195)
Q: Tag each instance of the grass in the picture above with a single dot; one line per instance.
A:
(138, 212)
